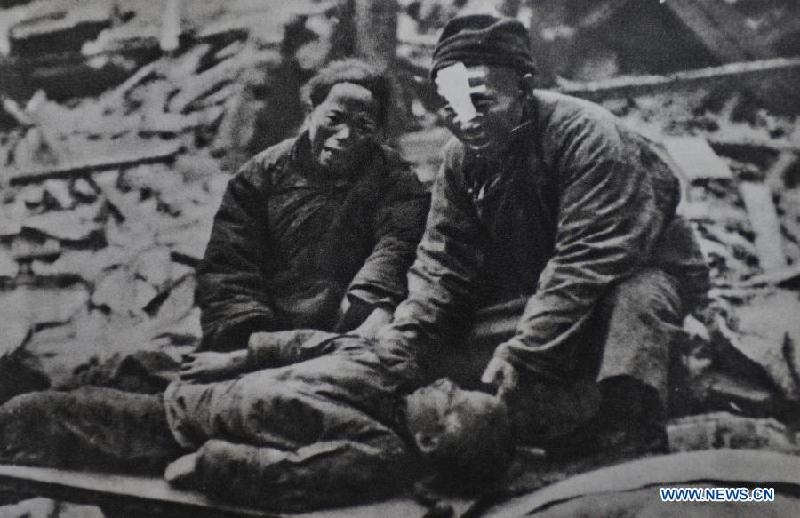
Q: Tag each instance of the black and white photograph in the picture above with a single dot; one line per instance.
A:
(399, 258)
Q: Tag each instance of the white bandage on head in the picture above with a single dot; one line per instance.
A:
(452, 83)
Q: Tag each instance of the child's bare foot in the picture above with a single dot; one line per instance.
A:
(181, 473)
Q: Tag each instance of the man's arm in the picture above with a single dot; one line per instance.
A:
(380, 284)
(440, 290)
(230, 291)
(616, 198)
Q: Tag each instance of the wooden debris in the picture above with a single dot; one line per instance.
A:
(170, 26)
(206, 82)
(223, 73)
(83, 190)
(153, 265)
(42, 305)
(16, 331)
(8, 266)
(12, 108)
(114, 291)
(11, 217)
(782, 277)
(46, 25)
(739, 74)
(777, 145)
(724, 430)
(85, 264)
(58, 191)
(26, 247)
(134, 495)
(764, 320)
(67, 225)
(757, 199)
(145, 152)
(696, 160)
(721, 29)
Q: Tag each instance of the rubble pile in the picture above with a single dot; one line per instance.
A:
(739, 163)
(122, 121)
(107, 197)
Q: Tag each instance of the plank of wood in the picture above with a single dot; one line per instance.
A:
(726, 466)
(776, 145)
(131, 495)
(739, 74)
(169, 39)
(134, 493)
(696, 160)
(147, 153)
(757, 198)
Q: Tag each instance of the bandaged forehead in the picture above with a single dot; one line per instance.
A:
(456, 84)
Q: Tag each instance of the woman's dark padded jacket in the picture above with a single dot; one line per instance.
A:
(288, 243)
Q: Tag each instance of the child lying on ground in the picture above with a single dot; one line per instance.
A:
(300, 420)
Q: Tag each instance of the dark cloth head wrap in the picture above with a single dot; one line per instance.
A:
(483, 39)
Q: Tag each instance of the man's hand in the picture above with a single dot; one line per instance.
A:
(211, 366)
(502, 376)
(376, 320)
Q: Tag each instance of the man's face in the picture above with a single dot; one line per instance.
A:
(498, 106)
(342, 125)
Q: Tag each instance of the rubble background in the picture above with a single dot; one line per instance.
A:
(122, 121)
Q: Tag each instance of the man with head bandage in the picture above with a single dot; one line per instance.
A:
(547, 204)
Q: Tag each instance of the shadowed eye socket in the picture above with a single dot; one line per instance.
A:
(335, 117)
(365, 125)
(482, 101)
(447, 112)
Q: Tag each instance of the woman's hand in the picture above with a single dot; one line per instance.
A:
(211, 366)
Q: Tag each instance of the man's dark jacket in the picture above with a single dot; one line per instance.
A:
(579, 204)
(289, 242)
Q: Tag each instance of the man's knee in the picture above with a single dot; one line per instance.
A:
(649, 294)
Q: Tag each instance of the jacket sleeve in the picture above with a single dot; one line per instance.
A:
(322, 474)
(231, 277)
(440, 291)
(398, 226)
(612, 209)
(267, 350)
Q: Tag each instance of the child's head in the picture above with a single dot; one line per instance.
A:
(464, 434)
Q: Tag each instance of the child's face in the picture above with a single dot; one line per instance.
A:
(445, 420)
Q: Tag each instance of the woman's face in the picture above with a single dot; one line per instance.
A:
(341, 126)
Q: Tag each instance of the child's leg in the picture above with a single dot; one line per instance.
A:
(97, 428)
